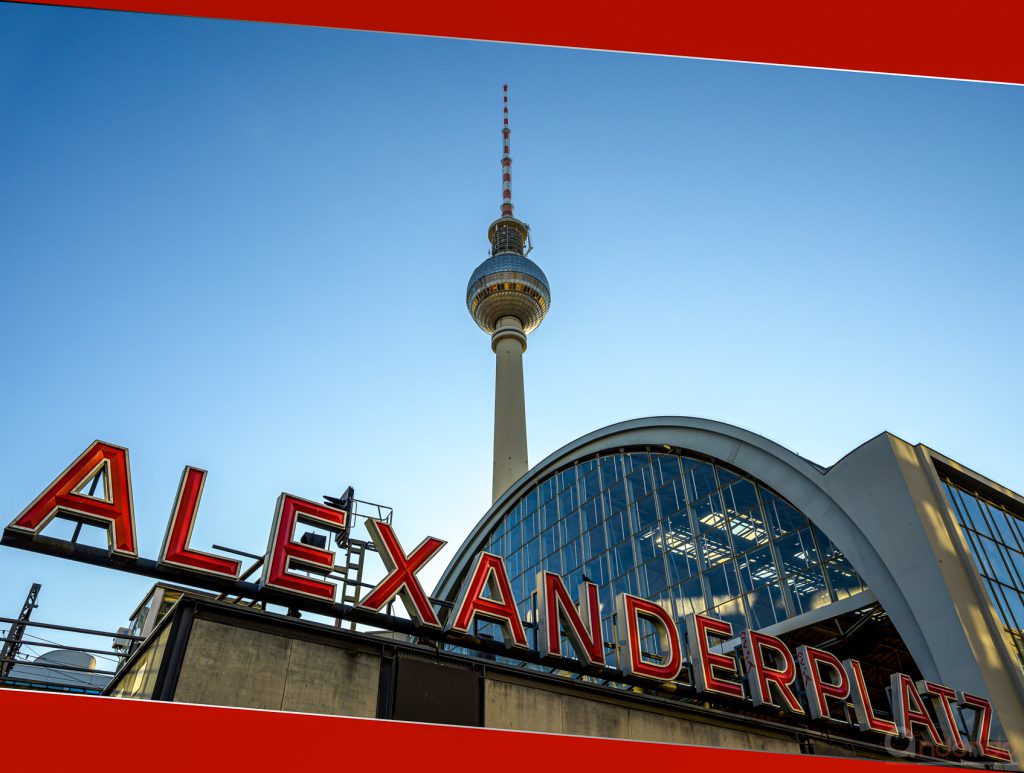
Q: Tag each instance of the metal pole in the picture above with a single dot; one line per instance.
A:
(72, 629)
(13, 644)
(92, 493)
(53, 646)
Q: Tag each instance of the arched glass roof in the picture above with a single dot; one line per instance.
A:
(690, 532)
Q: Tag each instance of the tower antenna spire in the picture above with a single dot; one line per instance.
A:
(506, 160)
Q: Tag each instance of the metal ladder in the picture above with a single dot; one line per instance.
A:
(353, 572)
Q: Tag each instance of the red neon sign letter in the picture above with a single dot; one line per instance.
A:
(908, 709)
(704, 662)
(555, 609)
(761, 677)
(175, 550)
(630, 609)
(112, 510)
(818, 690)
(982, 730)
(488, 574)
(942, 699)
(866, 717)
(401, 580)
(283, 553)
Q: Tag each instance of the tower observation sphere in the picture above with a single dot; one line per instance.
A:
(508, 296)
(508, 284)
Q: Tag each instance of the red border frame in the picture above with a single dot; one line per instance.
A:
(976, 41)
(174, 736)
(979, 42)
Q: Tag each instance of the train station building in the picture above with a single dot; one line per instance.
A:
(896, 564)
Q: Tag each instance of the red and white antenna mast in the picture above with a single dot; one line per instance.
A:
(506, 162)
(507, 234)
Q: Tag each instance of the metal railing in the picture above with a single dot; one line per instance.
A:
(31, 668)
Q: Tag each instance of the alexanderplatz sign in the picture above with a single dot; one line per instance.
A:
(809, 682)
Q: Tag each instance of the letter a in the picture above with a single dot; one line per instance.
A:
(64, 497)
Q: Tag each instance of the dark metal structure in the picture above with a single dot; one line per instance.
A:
(12, 644)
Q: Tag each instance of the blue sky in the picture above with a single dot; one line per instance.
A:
(245, 247)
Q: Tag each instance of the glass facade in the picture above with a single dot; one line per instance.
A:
(996, 539)
(690, 533)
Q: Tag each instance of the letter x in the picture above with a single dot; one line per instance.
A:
(401, 580)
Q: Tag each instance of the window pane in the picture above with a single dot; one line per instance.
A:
(595, 542)
(572, 556)
(713, 529)
(796, 551)
(529, 527)
(571, 526)
(625, 584)
(622, 557)
(679, 526)
(682, 561)
(722, 583)
(615, 497)
(567, 500)
(549, 514)
(782, 517)
(553, 563)
(646, 514)
(740, 496)
(671, 498)
(590, 485)
(725, 477)
(807, 591)
(611, 469)
(550, 541)
(618, 526)
(647, 545)
(844, 580)
(640, 483)
(1004, 532)
(597, 570)
(591, 514)
(689, 597)
(766, 606)
(748, 530)
(732, 612)
(757, 568)
(532, 553)
(827, 548)
(700, 478)
(654, 573)
(567, 479)
(666, 467)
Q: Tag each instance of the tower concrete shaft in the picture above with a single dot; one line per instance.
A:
(510, 455)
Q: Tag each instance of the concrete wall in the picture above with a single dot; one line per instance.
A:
(226, 665)
(510, 706)
(215, 653)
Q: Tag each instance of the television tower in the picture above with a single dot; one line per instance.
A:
(508, 297)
